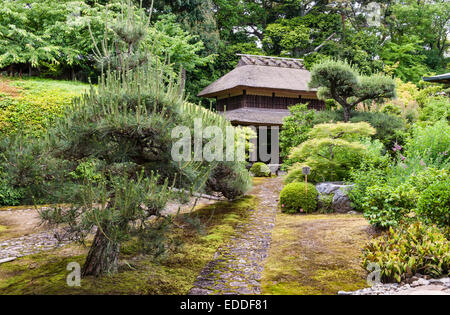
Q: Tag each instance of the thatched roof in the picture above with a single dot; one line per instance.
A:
(256, 116)
(273, 73)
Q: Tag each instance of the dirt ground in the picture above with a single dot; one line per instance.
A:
(21, 222)
(7, 89)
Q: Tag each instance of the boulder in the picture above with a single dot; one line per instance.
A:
(274, 168)
(341, 202)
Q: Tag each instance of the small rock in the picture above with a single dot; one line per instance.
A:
(5, 260)
(197, 291)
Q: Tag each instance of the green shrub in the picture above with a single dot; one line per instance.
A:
(39, 103)
(409, 250)
(87, 171)
(9, 196)
(331, 104)
(293, 198)
(328, 116)
(385, 206)
(260, 170)
(325, 203)
(390, 128)
(434, 204)
(435, 109)
(230, 178)
(363, 178)
(295, 129)
(391, 109)
(423, 179)
(430, 144)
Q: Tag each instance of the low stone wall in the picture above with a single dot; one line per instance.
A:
(341, 202)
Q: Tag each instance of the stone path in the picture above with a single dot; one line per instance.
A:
(30, 244)
(236, 268)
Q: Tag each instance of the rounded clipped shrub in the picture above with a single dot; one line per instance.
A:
(293, 198)
(260, 170)
(434, 204)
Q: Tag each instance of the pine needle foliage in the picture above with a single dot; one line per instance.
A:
(122, 132)
(342, 82)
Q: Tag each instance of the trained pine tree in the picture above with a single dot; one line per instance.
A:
(340, 81)
(117, 143)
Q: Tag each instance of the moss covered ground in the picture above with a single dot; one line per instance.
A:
(316, 255)
(45, 273)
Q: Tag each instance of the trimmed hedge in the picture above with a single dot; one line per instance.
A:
(293, 198)
(260, 170)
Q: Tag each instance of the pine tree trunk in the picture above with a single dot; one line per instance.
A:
(103, 257)
(346, 114)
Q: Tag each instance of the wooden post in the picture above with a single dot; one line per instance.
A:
(306, 185)
(306, 171)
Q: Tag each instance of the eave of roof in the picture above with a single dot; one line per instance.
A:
(444, 78)
(257, 116)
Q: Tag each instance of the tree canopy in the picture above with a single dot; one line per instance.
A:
(406, 39)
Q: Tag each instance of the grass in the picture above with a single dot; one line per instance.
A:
(45, 273)
(33, 102)
(315, 255)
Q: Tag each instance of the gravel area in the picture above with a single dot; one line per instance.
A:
(418, 286)
(29, 238)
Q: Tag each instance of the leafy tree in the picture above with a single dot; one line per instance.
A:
(19, 43)
(285, 39)
(195, 16)
(53, 37)
(340, 81)
(331, 151)
(295, 128)
(426, 20)
(405, 59)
